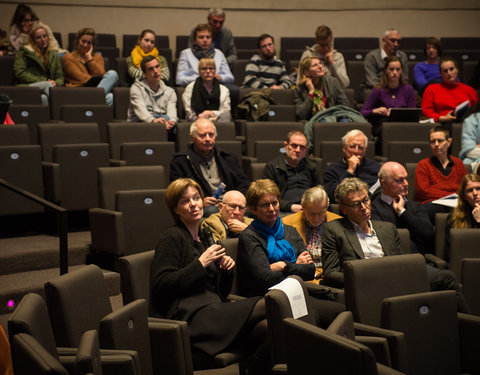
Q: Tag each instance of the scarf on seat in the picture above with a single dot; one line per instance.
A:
(202, 100)
(138, 54)
(201, 53)
(277, 247)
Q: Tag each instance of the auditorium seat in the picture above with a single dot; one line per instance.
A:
(6, 67)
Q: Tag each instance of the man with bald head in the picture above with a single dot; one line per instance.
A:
(230, 221)
(394, 207)
(375, 60)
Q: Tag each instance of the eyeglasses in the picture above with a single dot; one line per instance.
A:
(356, 205)
(353, 147)
(234, 206)
(295, 146)
(207, 68)
(439, 141)
(266, 205)
(393, 40)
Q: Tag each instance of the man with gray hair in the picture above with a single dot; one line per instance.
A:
(375, 60)
(357, 237)
(310, 222)
(209, 165)
(222, 37)
(392, 205)
(353, 164)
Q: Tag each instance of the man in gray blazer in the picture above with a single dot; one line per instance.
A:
(357, 237)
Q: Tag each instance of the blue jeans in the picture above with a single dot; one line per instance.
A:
(44, 86)
(108, 82)
(172, 133)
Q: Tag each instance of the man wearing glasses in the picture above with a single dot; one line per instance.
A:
(293, 172)
(230, 221)
(375, 60)
(357, 237)
(265, 69)
(353, 164)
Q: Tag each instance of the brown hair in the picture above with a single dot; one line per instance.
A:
(462, 214)
(295, 132)
(322, 32)
(434, 42)
(202, 27)
(259, 188)
(175, 191)
(348, 185)
(384, 82)
(82, 32)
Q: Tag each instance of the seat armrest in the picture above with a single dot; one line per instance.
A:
(436, 262)
(469, 332)
(107, 231)
(170, 342)
(379, 346)
(51, 178)
(325, 292)
(117, 163)
(396, 343)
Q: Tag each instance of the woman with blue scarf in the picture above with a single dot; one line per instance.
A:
(269, 252)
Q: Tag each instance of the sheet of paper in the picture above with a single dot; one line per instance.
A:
(449, 202)
(294, 291)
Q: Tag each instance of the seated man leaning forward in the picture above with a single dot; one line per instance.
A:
(151, 100)
(353, 164)
(230, 221)
(293, 172)
(310, 221)
(357, 237)
(268, 251)
(208, 165)
(265, 69)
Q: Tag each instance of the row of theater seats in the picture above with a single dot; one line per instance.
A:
(383, 330)
(465, 50)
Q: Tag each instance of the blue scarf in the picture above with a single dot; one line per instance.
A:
(277, 248)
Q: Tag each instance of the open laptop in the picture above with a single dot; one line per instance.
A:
(405, 114)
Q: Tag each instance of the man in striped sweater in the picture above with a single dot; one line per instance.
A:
(265, 69)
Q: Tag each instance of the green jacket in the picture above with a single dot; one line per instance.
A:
(28, 68)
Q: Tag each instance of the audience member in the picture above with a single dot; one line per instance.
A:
(206, 97)
(310, 221)
(208, 165)
(187, 68)
(467, 212)
(4, 43)
(440, 100)
(375, 60)
(83, 67)
(151, 100)
(353, 164)
(191, 280)
(268, 251)
(427, 72)
(391, 92)
(332, 60)
(146, 46)
(470, 152)
(439, 175)
(23, 21)
(294, 172)
(265, 69)
(230, 221)
(316, 91)
(358, 237)
(221, 36)
(37, 65)
(392, 206)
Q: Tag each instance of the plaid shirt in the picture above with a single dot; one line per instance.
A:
(313, 236)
